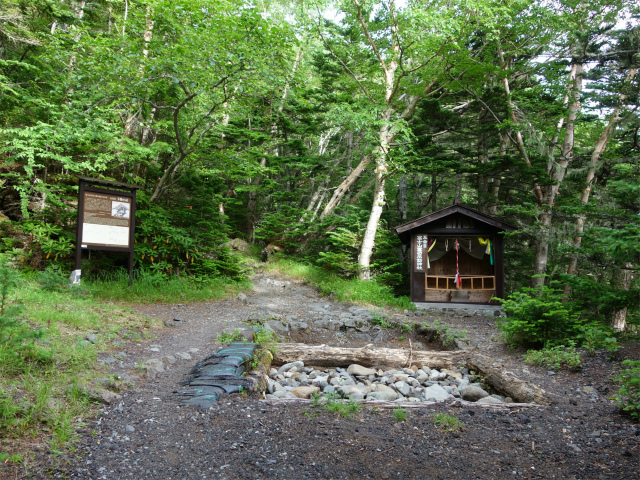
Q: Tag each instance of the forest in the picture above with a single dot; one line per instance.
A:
(313, 128)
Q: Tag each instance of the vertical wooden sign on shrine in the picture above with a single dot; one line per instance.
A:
(106, 220)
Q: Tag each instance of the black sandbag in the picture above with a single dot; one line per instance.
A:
(218, 382)
(202, 401)
(222, 370)
(228, 388)
(203, 390)
(233, 360)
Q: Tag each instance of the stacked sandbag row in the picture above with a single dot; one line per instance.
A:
(218, 375)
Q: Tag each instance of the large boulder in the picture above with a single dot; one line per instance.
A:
(435, 393)
(473, 393)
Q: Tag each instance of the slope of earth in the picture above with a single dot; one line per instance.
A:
(149, 434)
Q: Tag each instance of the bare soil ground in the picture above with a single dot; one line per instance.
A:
(149, 434)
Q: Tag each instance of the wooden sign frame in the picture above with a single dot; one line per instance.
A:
(106, 219)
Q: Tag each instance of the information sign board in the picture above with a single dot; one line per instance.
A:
(106, 220)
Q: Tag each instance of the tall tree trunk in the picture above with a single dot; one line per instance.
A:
(492, 209)
(402, 198)
(368, 241)
(550, 192)
(623, 281)
(434, 192)
(596, 156)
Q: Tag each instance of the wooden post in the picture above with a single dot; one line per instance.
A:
(132, 236)
(78, 266)
(498, 241)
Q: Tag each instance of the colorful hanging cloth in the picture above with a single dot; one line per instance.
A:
(430, 244)
(457, 280)
(490, 248)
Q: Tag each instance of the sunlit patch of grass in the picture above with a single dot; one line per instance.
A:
(155, 288)
(342, 408)
(345, 290)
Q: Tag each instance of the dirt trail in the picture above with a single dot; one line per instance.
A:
(149, 434)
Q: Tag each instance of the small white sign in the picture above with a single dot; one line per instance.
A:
(107, 235)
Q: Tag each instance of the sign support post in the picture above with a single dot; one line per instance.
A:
(106, 220)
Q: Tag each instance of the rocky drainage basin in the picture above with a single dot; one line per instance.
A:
(342, 351)
(356, 382)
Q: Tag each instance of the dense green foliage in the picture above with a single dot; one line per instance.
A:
(628, 395)
(315, 130)
(537, 317)
(555, 357)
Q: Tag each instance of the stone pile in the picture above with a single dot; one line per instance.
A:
(356, 382)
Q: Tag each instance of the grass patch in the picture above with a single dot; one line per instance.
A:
(446, 334)
(447, 423)
(45, 363)
(400, 414)
(342, 408)
(353, 290)
(157, 288)
(555, 357)
(224, 338)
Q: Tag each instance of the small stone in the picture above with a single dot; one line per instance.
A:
(154, 349)
(183, 355)
(104, 396)
(288, 366)
(152, 367)
(305, 392)
(551, 373)
(130, 428)
(350, 390)
(489, 399)
(242, 298)
(403, 388)
(385, 396)
(360, 371)
(453, 374)
(170, 359)
(90, 337)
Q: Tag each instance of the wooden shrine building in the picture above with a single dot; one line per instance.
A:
(457, 255)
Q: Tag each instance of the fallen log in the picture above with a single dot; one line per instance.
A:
(368, 356)
(507, 384)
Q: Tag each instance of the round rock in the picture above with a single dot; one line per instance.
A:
(473, 393)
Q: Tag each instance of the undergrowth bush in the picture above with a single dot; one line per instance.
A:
(555, 357)
(628, 395)
(538, 316)
(596, 339)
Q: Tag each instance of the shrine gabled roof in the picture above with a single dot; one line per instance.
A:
(450, 210)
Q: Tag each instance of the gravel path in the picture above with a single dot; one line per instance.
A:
(149, 434)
